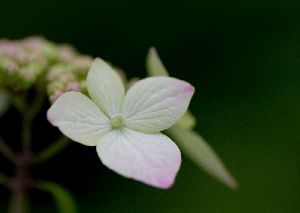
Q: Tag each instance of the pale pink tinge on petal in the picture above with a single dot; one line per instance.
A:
(153, 159)
(156, 103)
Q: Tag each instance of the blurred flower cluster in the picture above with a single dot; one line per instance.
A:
(36, 61)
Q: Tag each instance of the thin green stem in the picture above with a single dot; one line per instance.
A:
(4, 180)
(21, 182)
(18, 202)
(29, 113)
(17, 102)
(26, 133)
(63, 199)
(37, 104)
(59, 145)
(6, 151)
(19, 196)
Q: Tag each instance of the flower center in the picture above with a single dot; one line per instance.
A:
(117, 121)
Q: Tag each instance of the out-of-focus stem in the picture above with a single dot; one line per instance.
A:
(18, 202)
(29, 112)
(6, 151)
(59, 145)
(63, 199)
(4, 180)
(26, 133)
(18, 197)
(21, 182)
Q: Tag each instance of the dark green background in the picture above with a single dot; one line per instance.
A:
(243, 58)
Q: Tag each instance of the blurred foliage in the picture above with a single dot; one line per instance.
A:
(243, 59)
(61, 196)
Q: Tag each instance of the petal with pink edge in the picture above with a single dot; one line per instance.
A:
(153, 159)
(156, 103)
(79, 118)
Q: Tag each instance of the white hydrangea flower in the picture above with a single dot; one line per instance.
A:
(125, 128)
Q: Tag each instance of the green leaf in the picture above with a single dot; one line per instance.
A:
(63, 199)
(198, 150)
(55, 148)
(155, 67)
(4, 102)
(188, 121)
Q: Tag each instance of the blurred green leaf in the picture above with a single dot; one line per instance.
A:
(188, 121)
(155, 67)
(63, 199)
(198, 150)
(55, 148)
(4, 102)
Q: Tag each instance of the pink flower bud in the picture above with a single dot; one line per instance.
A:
(55, 96)
(10, 66)
(67, 78)
(34, 42)
(73, 87)
(66, 53)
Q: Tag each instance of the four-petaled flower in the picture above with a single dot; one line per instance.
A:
(125, 128)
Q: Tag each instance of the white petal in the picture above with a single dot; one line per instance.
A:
(153, 159)
(105, 87)
(156, 103)
(155, 67)
(79, 118)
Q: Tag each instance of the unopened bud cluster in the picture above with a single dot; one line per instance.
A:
(36, 61)
(65, 77)
(23, 62)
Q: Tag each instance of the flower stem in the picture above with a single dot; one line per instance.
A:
(18, 198)
(63, 199)
(19, 184)
(4, 180)
(26, 133)
(18, 202)
(6, 151)
(29, 113)
(22, 182)
(52, 150)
